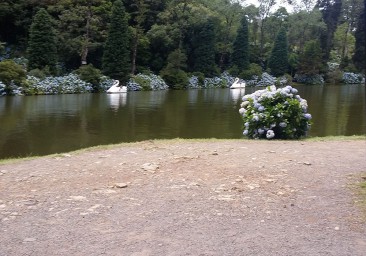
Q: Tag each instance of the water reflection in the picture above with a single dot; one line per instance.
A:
(41, 125)
(117, 100)
(237, 94)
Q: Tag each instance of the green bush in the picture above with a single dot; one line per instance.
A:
(40, 73)
(90, 74)
(254, 70)
(334, 77)
(234, 70)
(275, 114)
(200, 76)
(11, 72)
(143, 82)
(175, 78)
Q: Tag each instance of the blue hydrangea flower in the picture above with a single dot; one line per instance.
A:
(270, 134)
(282, 124)
(307, 116)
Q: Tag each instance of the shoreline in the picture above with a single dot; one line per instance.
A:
(108, 146)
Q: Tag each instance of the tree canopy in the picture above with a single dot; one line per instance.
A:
(209, 35)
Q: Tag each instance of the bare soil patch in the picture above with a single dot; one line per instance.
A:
(182, 197)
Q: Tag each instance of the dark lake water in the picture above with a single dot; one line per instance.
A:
(40, 125)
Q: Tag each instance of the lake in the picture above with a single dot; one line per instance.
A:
(40, 125)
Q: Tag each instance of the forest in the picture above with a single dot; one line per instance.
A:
(179, 39)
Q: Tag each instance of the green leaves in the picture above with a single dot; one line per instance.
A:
(116, 59)
(42, 48)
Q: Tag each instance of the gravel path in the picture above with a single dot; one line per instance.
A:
(182, 197)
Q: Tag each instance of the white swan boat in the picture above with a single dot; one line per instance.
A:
(237, 84)
(115, 88)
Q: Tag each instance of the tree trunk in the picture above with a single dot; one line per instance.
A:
(85, 46)
(134, 53)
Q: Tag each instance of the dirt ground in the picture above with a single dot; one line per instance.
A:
(182, 197)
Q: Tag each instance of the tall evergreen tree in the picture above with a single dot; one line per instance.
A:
(359, 58)
(116, 57)
(240, 56)
(42, 49)
(278, 62)
(331, 11)
(204, 53)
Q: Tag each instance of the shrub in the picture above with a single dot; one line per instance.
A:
(141, 82)
(176, 79)
(254, 70)
(57, 85)
(275, 114)
(90, 74)
(11, 72)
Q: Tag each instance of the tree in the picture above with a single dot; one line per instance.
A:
(331, 11)
(229, 14)
(304, 26)
(11, 72)
(42, 49)
(204, 52)
(174, 74)
(278, 62)
(275, 22)
(240, 56)
(310, 61)
(344, 41)
(83, 27)
(265, 7)
(116, 56)
(359, 58)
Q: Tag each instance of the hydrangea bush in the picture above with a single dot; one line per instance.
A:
(2, 89)
(57, 85)
(105, 83)
(275, 114)
(224, 81)
(142, 82)
(352, 78)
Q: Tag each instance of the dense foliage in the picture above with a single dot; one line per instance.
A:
(241, 46)
(116, 51)
(42, 48)
(278, 62)
(179, 38)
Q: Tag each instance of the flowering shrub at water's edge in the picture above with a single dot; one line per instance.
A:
(275, 114)
(57, 85)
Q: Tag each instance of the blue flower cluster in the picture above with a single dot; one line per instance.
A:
(146, 82)
(352, 78)
(2, 89)
(223, 81)
(68, 84)
(105, 84)
(13, 89)
(275, 113)
(193, 83)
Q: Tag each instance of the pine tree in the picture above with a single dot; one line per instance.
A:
(42, 49)
(310, 62)
(278, 62)
(359, 58)
(116, 56)
(204, 53)
(240, 56)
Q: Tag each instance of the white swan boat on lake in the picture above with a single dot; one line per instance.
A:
(237, 84)
(116, 88)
